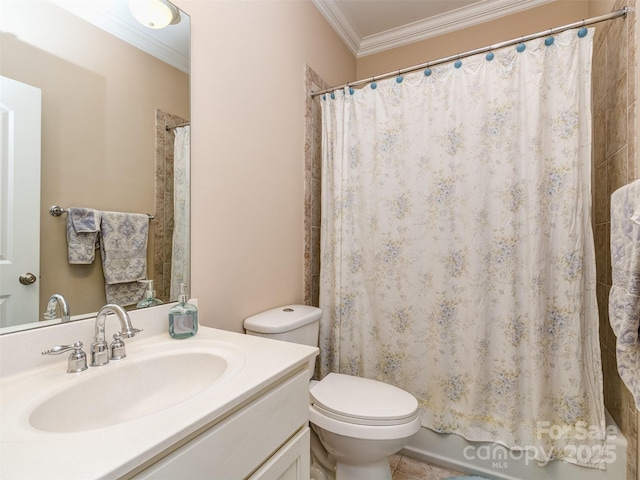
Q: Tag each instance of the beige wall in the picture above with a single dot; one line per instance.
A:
(98, 128)
(248, 86)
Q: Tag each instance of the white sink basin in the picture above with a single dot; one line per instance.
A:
(131, 388)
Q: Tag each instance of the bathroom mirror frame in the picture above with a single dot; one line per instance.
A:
(117, 180)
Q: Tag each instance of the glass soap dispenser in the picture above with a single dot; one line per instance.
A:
(150, 296)
(183, 317)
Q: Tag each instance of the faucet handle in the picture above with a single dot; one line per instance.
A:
(77, 359)
(117, 347)
(130, 333)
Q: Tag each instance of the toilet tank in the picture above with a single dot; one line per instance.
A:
(290, 323)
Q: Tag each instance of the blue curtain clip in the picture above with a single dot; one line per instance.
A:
(583, 31)
(549, 40)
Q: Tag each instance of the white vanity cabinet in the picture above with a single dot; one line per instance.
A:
(267, 438)
(238, 410)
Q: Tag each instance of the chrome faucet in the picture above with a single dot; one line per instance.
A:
(99, 347)
(55, 300)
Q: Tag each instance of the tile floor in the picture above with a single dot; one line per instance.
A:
(407, 468)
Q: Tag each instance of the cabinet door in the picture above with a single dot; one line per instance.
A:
(291, 462)
(239, 444)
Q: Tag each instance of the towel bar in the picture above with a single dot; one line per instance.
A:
(57, 210)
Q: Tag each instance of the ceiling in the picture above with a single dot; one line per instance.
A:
(372, 26)
(170, 44)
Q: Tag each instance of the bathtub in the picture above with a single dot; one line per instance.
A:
(496, 462)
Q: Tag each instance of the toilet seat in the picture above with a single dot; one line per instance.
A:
(362, 401)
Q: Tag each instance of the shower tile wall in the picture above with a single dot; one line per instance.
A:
(163, 223)
(313, 168)
(615, 163)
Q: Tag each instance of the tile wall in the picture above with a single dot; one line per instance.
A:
(163, 223)
(313, 169)
(615, 163)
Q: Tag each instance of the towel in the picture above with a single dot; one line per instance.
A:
(123, 246)
(624, 297)
(83, 225)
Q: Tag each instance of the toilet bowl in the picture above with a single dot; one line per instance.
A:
(359, 421)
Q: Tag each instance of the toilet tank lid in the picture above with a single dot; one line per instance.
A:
(283, 319)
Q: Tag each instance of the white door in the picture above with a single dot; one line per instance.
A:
(20, 106)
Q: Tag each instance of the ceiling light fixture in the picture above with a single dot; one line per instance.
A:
(154, 13)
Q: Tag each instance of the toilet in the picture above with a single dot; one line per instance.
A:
(359, 422)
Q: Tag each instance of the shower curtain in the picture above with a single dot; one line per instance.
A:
(180, 260)
(457, 259)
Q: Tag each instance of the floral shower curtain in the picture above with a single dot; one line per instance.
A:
(457, 252)
(180, 260)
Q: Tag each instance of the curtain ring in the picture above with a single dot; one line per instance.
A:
(350, 89)
(490, 54)
(457, 63)
(549, 40)
(583, 30)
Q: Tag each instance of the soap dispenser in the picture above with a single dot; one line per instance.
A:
(150, 296)
(183, 317)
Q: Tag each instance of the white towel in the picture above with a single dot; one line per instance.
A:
(123, 247)
(624, 297)
(83, 225)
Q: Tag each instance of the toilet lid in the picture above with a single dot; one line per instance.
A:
(363, 401)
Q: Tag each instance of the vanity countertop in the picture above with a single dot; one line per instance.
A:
(116, 450)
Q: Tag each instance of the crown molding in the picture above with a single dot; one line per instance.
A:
(339, 21)
(421, 30)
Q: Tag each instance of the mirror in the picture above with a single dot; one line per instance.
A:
(109, 87)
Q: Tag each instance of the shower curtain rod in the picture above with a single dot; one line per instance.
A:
(590, 21)
(167, 128)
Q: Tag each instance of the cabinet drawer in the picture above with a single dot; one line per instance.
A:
(235, 447)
